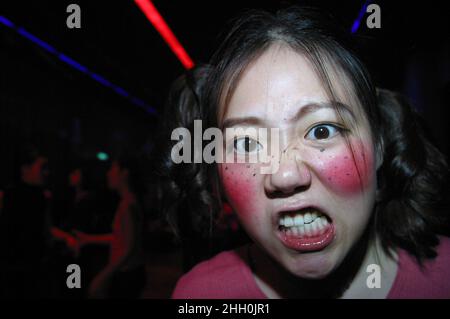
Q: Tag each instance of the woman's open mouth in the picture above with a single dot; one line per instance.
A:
(306, 229)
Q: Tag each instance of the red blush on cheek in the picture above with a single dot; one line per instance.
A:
(239, 182)
(349, 172)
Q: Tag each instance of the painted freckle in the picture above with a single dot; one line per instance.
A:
(346, 175)
(237, 186)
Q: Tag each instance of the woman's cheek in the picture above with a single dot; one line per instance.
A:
(348, 172)
(240, 185)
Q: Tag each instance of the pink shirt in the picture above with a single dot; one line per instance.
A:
(227, 276)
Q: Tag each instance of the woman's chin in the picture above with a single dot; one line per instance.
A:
(312, 265)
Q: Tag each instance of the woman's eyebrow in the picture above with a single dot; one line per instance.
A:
(303, 111)
(243, 121)
(313, 107)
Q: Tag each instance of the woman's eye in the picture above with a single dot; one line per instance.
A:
(322, 131)
(246, 145)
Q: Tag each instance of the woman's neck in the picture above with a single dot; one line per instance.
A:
(347, 281)
(376, 275)
(124, 191)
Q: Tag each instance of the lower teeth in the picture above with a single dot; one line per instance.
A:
(315, 228)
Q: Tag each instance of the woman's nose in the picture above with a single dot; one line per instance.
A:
(292, 175)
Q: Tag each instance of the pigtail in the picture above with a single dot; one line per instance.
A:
(186, 194)
(412, 206)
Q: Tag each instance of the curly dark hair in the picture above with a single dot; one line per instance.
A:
(413, 199)
(412, 204)
(187, 194)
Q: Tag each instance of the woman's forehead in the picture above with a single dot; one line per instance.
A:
(276, 84)
(279, 82)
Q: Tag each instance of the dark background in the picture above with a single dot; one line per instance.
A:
(46, 102)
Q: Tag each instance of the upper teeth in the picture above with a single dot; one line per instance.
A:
(299, 219)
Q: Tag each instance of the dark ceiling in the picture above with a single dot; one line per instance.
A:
(118, 42)
(65, 112)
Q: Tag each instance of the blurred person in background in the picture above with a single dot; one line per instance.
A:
(25, 228)
(77, 208)
(124, 274)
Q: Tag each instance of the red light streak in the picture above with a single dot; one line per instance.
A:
(164, 30)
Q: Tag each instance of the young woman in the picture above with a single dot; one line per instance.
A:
(124, 275)
(357, 190)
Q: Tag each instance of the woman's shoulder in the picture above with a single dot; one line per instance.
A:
(224, 276)
(443, 249)
(432, 280)
(441, 263)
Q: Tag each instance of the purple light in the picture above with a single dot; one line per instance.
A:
(121, 91)
(100, 79)
(6, 22)
(36, 40)
(361, 14)
(74, 64)
(355, 26)
(141, 103)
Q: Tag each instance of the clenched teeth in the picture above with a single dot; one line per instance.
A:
(300, 218)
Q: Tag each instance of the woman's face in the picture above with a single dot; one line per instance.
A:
(114, 176)
(75, 178)
(314, 208)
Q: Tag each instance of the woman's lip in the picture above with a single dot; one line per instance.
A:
(308, 243)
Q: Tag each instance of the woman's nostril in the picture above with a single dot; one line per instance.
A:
(284, 193)
(291, 177)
